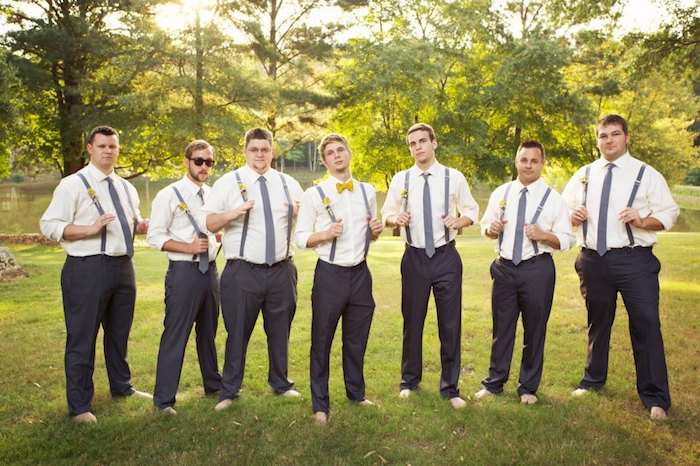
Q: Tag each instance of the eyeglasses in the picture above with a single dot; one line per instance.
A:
(264, 150)
(199, 161)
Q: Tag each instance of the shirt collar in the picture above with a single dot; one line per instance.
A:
(190, 185)
(253, 176)
(334, 180)
(532, 188)
(434, 169)
(97, 174)
(619, 163)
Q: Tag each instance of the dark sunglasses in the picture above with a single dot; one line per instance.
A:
(199, 161)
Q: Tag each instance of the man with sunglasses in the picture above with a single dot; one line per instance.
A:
(256, 206)
(191, 282)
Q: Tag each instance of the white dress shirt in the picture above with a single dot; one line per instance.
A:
(225, 195)
(170, 222)
(653, 199)
(71, 204)
(348, 206)
(554, 217)
(460, 199)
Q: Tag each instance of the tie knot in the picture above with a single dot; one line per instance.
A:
(261, 179)
(425, 176)
(108, 180)
(610, 166)
(523, 191)
(343, 186)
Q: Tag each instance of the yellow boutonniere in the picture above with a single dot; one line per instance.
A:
(327, 205)
(404, 193)
(184, 208)
(93, 196)
(584, 180)
(244, 191)
(502, 205)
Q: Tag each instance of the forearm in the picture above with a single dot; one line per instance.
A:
(176, 246)
(215, 222)
(650, 223)
(77, 232)
(551, 240)
(318, 238)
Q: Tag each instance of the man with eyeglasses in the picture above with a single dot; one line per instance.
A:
(191, 282)
(255, 205)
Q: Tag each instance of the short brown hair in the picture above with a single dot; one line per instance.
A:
(329, 138)
(258, 133)
(104, 130)
(197, 144)
(421, 127)
(532, 144)
(612, 119)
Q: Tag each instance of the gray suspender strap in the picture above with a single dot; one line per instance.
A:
(447, 202)
(537, 216)
(290, 212)
(585, 198)
(637, 182)
(405, 206)
(189, 214)
(368, 236)
(131, 206)
(247, 216)
(331, 258)
(100, 210)
(503, 213)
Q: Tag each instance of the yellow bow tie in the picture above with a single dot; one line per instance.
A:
(343, 186)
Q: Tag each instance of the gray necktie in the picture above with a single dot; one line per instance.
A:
(602, 239)
(428, 218)
(520, 228)
(126, 229)
(204, 256)
(269, 226)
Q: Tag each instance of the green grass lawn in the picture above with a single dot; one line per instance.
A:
(610, 427)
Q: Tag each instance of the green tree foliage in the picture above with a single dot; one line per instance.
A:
(9, 115)
(291, 46)
(77, 61)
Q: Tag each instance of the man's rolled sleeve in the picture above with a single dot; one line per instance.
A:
(392, 202)
(466, 204)
(305, 220)
(160, 222)
(661, 204)
(59, 214)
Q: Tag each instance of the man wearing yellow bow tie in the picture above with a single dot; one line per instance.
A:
(338, 219)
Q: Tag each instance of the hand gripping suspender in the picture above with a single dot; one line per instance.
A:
(537, 216)
(534, 217)
(100, 210)
(247, 215)
(447, 204)
(637, 182)
(405, 206)
(290, 213)
(583, 203)
(189, 215)
(503, 213)
(368, 236)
